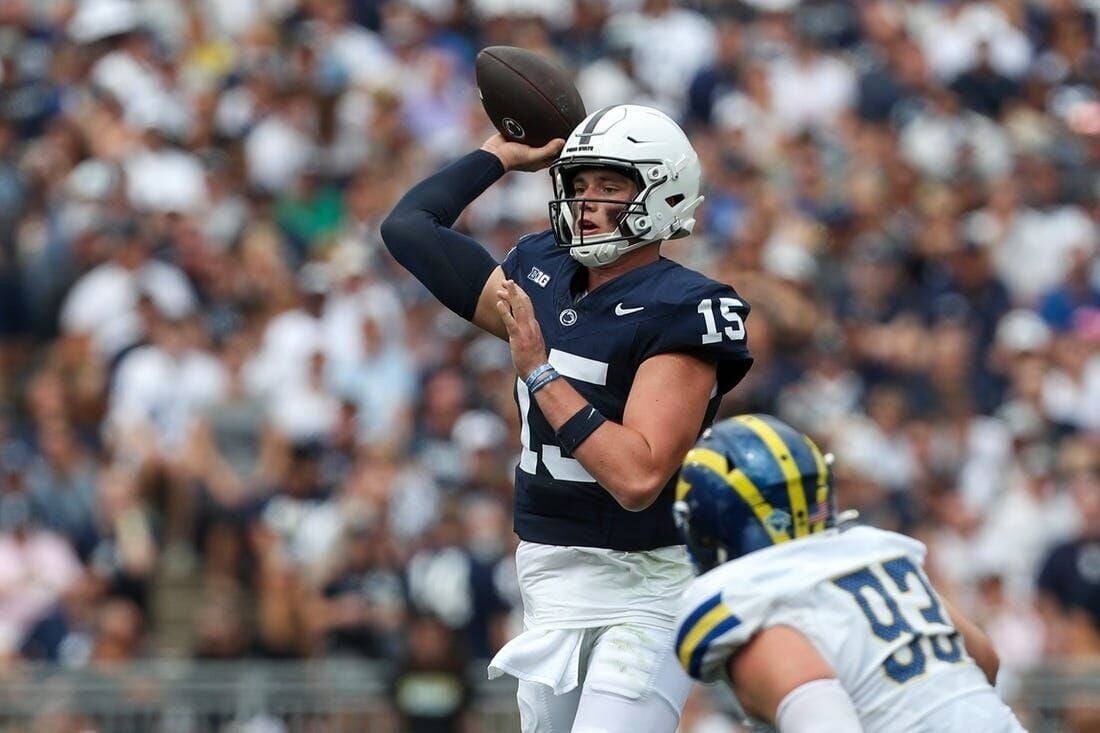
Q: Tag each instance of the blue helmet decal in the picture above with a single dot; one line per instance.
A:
(751, 481)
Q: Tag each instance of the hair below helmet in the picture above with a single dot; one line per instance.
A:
(751, 481)
(652, 150)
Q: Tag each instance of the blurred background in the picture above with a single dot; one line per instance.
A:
(254, 478)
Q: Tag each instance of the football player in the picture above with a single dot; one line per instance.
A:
(817, 629)
(621, 358)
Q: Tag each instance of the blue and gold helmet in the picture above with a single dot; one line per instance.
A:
(751, 481)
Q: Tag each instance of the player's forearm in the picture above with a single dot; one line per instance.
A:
(618, 457)
(977, 644)
(445, 194)
(417, 232)
(819, 706)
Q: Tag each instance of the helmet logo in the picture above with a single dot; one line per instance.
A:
(513, 128)
(779, 521)
(567, 317)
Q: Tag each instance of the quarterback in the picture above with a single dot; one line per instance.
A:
(817, 629)
(621, 357)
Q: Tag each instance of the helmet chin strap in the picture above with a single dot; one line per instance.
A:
(596, 255)
(602, 254)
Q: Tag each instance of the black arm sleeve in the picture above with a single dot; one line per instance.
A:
(417, 232)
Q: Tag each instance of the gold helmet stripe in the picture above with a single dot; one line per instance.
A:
(737, 481)
(796, 489)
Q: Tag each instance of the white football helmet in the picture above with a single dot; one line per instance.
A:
(649, 147)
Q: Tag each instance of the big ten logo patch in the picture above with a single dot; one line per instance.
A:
(538, 277)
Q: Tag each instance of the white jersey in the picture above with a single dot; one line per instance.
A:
(863, 600)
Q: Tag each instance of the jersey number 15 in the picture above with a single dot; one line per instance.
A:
(727, 311)
(559, 466)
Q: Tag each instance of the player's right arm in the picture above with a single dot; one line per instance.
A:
(977, 644)
(458, 270)
(780, 677)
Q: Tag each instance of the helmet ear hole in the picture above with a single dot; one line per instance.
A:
(673, 200)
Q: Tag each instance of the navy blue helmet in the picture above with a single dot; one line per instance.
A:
(750, 482)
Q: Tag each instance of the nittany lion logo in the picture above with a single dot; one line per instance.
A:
(568, 317)
(513, 128)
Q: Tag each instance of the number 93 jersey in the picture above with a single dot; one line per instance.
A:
(597, 343)
(862, 599)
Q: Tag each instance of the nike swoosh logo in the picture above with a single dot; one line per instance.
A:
(620, 311)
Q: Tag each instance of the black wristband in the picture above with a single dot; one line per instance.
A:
(576, 429)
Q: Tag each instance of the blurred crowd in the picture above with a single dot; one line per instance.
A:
(211, 371)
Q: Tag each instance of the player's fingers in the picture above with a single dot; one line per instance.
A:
(516, 297)
(510, 293)
(506, 316)
(551, 148)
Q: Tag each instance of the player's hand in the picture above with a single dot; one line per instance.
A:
(520, 157)
(524, 334)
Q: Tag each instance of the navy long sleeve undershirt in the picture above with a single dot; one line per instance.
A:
(417, 232)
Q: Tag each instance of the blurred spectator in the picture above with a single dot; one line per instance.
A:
(445, 399)
(61, 487)
(1077, 297)
(1070, 575)
(458, 577)
(104, 301)
(380, 380)
(430, 693)
(125, 556)
(982, 88)
(811, 88)
(878, 447)
(944, 140)
(299, 525)
(221, 630)
(955, 35)
(891, 87)
(668, 43)
(827, 390)
(38, 568)
(160, 388)
(361, 609)
(720, 77)
(1071, 390)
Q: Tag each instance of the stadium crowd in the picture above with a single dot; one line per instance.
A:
(211, 368)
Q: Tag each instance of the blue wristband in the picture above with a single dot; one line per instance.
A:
(544, 379)
(533, 377)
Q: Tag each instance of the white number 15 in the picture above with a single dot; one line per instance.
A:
(727, 309)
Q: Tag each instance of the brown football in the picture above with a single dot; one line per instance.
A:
(529, 98)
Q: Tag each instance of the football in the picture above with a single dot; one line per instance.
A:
(529, 98)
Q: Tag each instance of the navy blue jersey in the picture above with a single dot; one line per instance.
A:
(598, 343)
